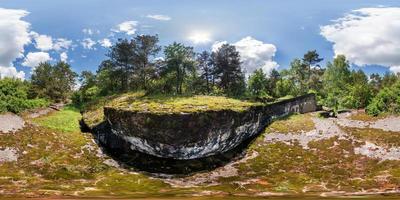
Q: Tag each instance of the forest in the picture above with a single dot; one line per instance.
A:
(141, 64)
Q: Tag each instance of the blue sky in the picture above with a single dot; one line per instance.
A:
(290, 28)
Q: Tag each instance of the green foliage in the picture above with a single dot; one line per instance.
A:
(257, 83)
(228, 72)
(336, 81)
(14, 96)
(179, 61)
(54, 82)
(387, 100)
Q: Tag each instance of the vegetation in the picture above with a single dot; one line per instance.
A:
(66, 120)
(387, 100)
(178, 104)
(135, 65)
(54, 82)
(14, 96)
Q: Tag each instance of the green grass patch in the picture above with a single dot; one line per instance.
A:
(292, 124)
(138, 101)
(66, 120)
(177, 104)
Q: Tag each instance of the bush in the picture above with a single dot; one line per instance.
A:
(14, 97)
(386, 101)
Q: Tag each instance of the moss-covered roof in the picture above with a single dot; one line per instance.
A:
(160, 104)
(174, 104)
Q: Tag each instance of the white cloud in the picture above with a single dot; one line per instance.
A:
(89, 31)
(62, 44)
(128, 27)
(105, 42)
(11, 72)
(33, 59)
(200, 37)
(217, 45)
(14, 35)
(88, 43)
(395, 69)
(254, 54)
(159, 17)
(43, 42)
(64, 56)
(367, 36)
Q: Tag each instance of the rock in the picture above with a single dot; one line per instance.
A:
(198, 134)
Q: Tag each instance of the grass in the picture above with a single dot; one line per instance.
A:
(295, 123)
(363, 116)
(178, 104)
(139, 102)
(66, 120)
(58, 161)
(377, 136)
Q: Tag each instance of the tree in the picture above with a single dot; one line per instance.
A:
(179, 61)
(336, 80)
(145, 48)
(311, 60)
(359, 91)
(389, 79)
(89, 89)
(257, 83)
(54, 82)
(274, 77)
(376, 82)
(122, 57)
(206, 68)
(298, 74)
(107, 78)
(228, 70)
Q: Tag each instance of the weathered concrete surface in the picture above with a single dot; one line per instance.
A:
(195, 135)
(10, 123)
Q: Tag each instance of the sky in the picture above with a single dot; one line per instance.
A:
(268, 34)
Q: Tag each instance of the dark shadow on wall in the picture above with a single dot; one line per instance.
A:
(120, 151)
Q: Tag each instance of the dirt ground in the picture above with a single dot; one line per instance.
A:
(298, 156)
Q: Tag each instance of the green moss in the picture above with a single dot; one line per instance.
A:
(378, 136)
(177, 104)
(292, 124)
(362, 116)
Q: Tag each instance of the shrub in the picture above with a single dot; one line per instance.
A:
(387, 100)
(14, 97)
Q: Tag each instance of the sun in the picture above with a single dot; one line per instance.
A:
(200, 37)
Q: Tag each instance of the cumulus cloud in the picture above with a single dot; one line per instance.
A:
(14, 35)
(159, 17)
(33, 59)
(128, 27)
(11, 72)
(254, 54)
(64, 56)
(105, 42)
(62, 44)
(43, 42)
(367, 36)
(88, 43)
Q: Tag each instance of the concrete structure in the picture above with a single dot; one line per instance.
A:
(194, 135)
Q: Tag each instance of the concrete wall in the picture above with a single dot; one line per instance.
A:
(196, 135)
